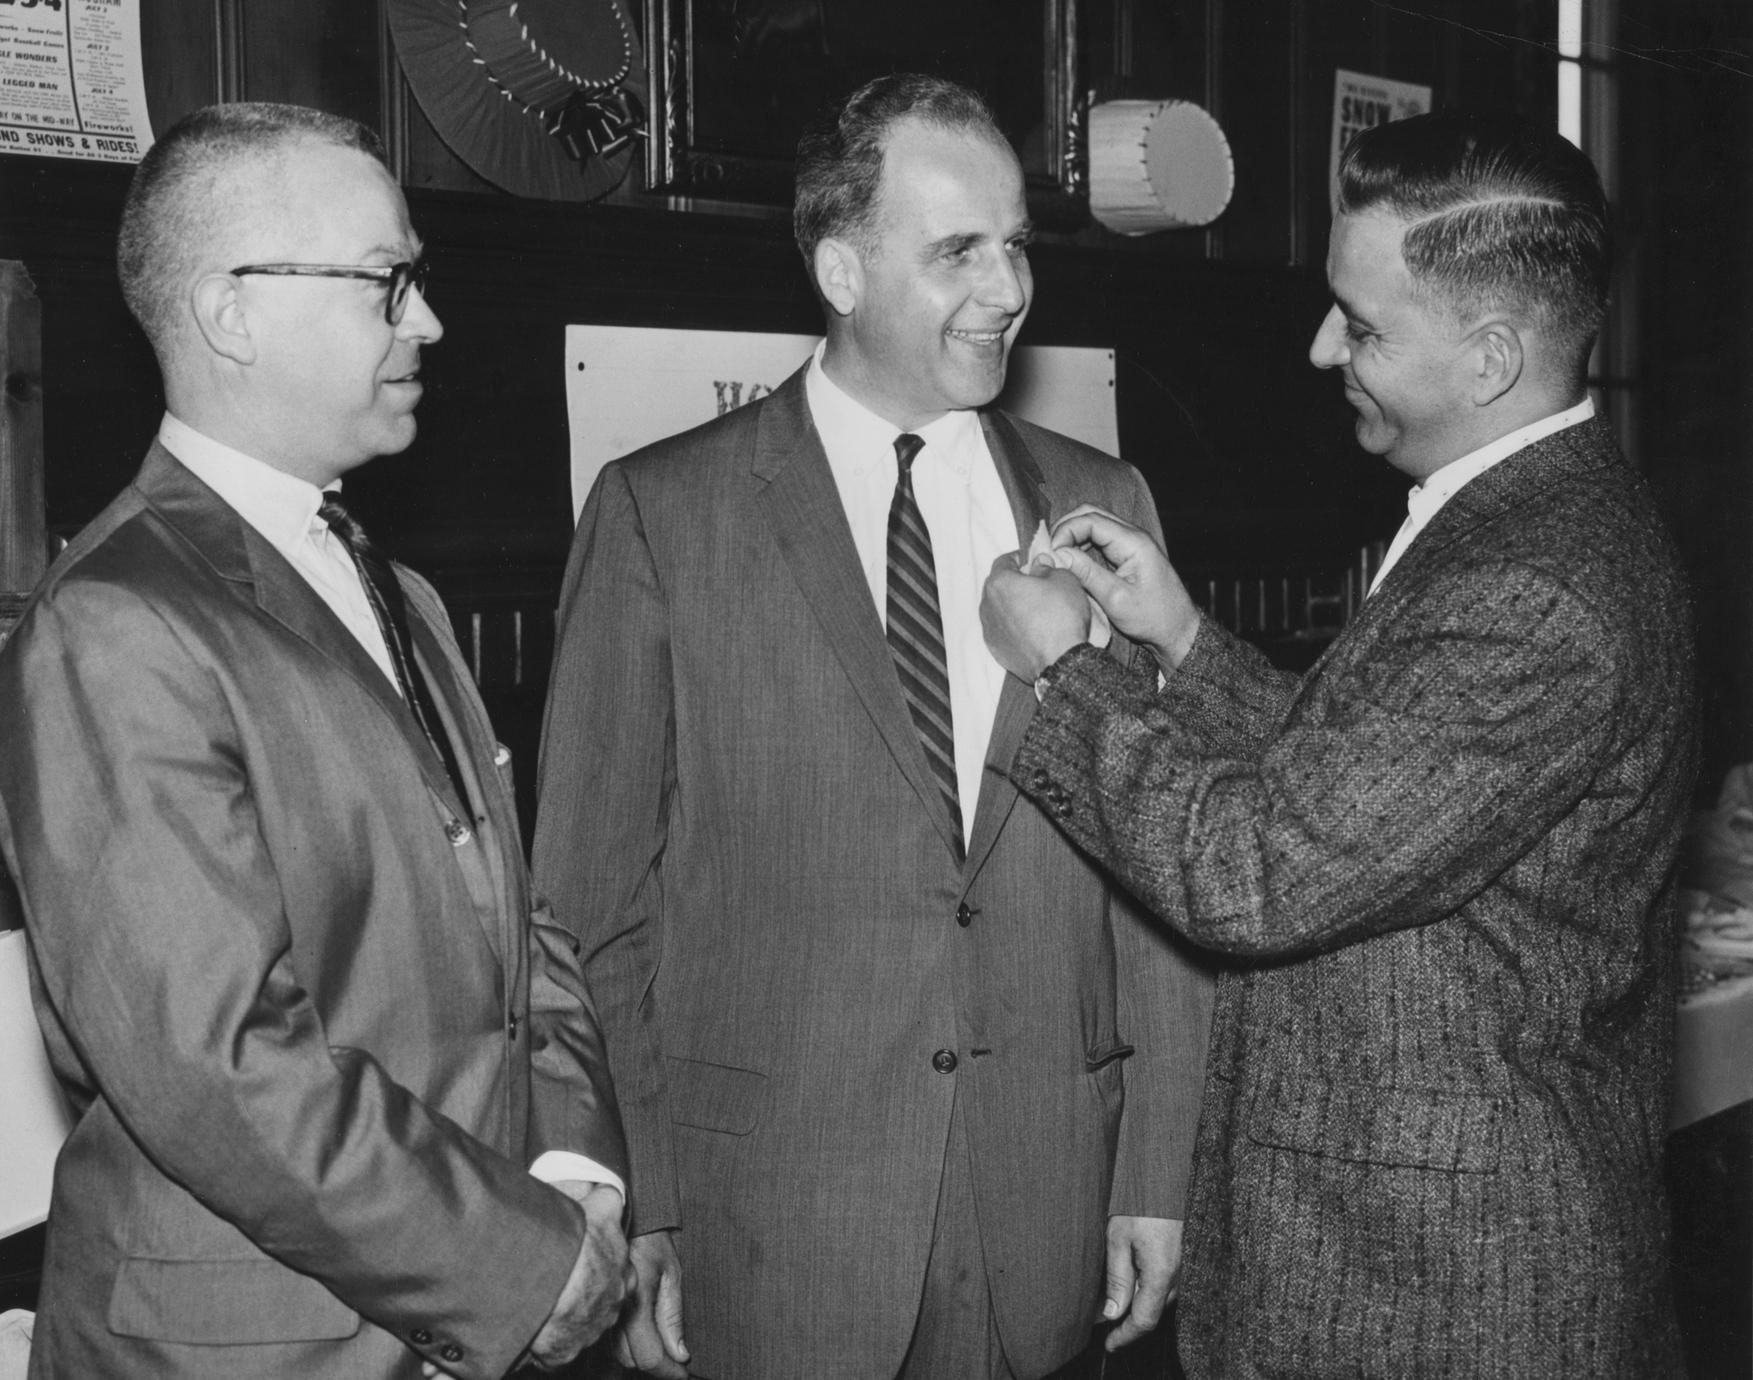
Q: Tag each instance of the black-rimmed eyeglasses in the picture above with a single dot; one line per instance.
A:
(398, 278)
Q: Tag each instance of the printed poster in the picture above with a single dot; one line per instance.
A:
(627, 386)
(70, 80)
(1361, 102)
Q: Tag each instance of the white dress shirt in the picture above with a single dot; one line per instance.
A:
(283, 508)
(1426, 499)
(969, 517)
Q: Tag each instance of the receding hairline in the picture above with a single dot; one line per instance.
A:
(924, 122)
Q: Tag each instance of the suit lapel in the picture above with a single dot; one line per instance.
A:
(1563, 458)
(238, 553)
(492, 872)
(808, 520)
(1032, 505)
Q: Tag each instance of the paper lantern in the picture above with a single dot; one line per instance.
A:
(1156, 165)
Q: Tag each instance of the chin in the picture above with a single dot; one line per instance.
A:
(1374, 438)
(977, 392)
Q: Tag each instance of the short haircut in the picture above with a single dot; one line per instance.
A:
(840, 157)
(183, 194)
(1501, 215)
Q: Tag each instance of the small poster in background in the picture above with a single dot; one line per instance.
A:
(1361, 103)
(70, 80)
(627, 386)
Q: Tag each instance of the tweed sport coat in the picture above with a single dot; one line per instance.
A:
(311, 1032)
(737, 813)
(1439, 864)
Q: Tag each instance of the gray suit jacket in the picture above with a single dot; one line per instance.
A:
(737, 813)
(1440, 863)
(295, 995)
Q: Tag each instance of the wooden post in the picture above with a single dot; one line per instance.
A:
(23, 539)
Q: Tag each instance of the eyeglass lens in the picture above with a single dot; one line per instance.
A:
(406, 276)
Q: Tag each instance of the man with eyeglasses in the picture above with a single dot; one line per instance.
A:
(322, 1045)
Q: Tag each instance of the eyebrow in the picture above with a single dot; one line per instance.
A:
(952, 242)
(394, 252)
(1351, 311)
(968, 240)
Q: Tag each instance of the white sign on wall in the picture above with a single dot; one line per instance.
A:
(627, 386)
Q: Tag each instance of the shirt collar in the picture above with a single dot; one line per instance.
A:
(280, 506)
(1424, 499)
(848, 427)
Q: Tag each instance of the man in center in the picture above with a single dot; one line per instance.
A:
(909, 1090)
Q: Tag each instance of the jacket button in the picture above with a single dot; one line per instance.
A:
(420, 1337)
(511, 1026)
(1062, 808)
(457, 832)
(451, 1352)
(964, 915)
(944, 1061)
(1039, 779)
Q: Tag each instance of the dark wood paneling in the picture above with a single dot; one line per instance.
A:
(179, 46)
(1685, 75)
(1256, 71)
(22, 544)
(324, 53)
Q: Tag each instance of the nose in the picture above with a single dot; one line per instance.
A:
(1006, 283)
(419, 322)
(1329, 349)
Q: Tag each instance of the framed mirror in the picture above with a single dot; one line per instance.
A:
(732, 83)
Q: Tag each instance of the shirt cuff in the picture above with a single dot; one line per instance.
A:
(559, 1166)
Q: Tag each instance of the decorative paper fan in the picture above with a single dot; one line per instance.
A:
(540, 97)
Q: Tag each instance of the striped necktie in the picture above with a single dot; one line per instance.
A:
(915, 630)
(384, 593)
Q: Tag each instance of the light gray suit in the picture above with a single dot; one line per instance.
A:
(295, 994)
(737, 813)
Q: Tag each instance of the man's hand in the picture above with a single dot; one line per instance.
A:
(600, 1281)
(650, 1337)
(1132, 581)
(1144, 1261)
(1032, 617)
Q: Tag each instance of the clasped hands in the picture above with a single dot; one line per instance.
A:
(1034, 611)
(600, 1282)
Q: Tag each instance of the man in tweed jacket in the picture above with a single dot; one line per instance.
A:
(1439, 863)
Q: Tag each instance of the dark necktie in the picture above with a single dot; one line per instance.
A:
(916, 630)
(384, 594)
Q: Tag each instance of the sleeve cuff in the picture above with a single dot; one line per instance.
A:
(558, 1166)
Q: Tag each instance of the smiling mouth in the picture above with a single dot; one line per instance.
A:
(976, 337)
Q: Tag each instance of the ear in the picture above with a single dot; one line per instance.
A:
(1499, 360)
(839, 275)
(219, 316)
